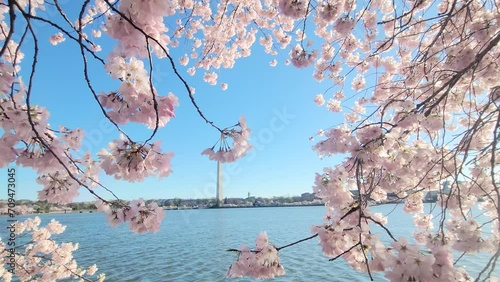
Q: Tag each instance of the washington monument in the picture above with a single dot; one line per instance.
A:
(219, 195)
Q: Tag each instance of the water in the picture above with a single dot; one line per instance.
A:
(191, 244)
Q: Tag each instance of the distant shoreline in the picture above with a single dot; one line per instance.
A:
(204, 208)
(305, 199)
(240, 207)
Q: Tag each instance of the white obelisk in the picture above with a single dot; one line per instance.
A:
(219, 195)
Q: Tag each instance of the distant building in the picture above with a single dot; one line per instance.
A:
(446, 186)
(307, 196)
(431, 197)
(355, 193)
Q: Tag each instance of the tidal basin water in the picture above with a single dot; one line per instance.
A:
(191, 244)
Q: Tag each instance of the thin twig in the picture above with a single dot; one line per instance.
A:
(299, 241)
(345, 252)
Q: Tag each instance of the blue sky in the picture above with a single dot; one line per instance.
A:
(277, 102)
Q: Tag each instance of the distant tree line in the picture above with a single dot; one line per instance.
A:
(44, 207)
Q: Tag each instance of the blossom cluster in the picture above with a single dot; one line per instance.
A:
(141, 217)
(40, 257)
(29, 141)
(136, 100)
(240, 145)
(431, 259)
(147, 18)
(134, 162)
(262, 262)
(393, 163)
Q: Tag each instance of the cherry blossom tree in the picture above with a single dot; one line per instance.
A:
(416, 81)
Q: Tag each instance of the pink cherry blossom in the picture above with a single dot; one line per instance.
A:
(141, 217)
(300, 58)
(6, 77)
(240, 145)
(58, 187)
(57, 38)
(358, 83)
(319, 100)
(210, 78)
(261, 263)
(293, 8)
(184, 60)
(334, 105)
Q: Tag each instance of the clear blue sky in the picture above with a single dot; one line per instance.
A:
(277, 102)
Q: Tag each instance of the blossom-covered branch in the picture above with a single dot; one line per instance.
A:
(40, 257)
